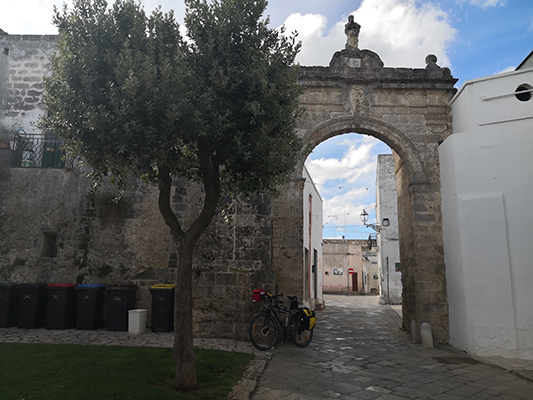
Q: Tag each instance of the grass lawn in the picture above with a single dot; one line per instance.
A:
(71, 372)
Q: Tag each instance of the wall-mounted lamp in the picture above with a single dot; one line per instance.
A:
(376, 227)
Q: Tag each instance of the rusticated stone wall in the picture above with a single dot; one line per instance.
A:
(408, 110)
(114, 242)
(24, 61)
(103, 241)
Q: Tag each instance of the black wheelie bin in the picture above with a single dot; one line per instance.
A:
(32, 305)
(8, 305)
(60, 306)
(120, 299)
(90, 305)
(162, 308)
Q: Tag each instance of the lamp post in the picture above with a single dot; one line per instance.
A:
(376, 227)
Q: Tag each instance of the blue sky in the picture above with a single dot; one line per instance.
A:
(474, 38)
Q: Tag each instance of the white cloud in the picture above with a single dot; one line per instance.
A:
(344, 213)
(356, 162)
(34, 17)
(354, 173)
(485, 3)
(317, 45)
(402, 32)
(19, 17)
(508, 69)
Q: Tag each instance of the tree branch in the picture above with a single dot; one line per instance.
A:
(165, 188)
(211, 180)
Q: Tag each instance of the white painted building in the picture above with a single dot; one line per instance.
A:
(388, 252)
(370, 272)
(487, 193)
(313, 216)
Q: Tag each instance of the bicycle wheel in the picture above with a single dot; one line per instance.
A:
(301, 337)
(263, 331)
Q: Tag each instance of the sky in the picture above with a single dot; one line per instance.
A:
(474, 38)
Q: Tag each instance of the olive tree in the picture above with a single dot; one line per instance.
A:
(132, 98)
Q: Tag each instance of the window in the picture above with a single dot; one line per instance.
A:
(49, 244)
(523, 92)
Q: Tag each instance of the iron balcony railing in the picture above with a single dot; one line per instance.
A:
(31, 150)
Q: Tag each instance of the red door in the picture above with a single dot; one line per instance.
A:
(354, 282)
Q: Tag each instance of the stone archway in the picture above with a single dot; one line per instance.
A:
(408, 110)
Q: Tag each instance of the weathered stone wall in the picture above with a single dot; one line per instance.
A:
(101, 241)
(24, 61)
(287, 239)
(408, 110)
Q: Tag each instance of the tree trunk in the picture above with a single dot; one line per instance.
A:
(185, 371)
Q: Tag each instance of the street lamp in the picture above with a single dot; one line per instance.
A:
(364, 217)
(376, 227)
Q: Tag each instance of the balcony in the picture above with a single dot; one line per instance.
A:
(38, 151)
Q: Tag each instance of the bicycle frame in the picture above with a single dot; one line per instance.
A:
(273, 309)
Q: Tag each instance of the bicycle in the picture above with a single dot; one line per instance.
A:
(266, 325)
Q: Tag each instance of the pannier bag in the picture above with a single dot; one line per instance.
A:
(258, 295)
(307, 318)
(294, 304)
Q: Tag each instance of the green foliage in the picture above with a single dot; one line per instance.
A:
(115, 79)
(41, 371)
(247, 81)
(131, 97)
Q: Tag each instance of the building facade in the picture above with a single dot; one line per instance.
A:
(487, 186)
(388, 250)
(343, 266)
(312, 242)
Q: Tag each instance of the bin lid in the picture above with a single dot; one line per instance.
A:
(122, 287)
(30, 285)
(162, 286)
(61, 285)
(90, 286)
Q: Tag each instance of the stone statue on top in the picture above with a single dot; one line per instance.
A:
(351, 29)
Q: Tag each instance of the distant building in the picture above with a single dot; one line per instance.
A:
(342, 256)
(487, 186)
(370, 272)
(388, 245)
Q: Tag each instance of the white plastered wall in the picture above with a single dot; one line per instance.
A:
(313, 206)
(487, 198)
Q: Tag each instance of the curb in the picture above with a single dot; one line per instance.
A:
(244, 389)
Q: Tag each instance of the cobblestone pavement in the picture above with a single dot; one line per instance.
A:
(359, 352)
(102, 337)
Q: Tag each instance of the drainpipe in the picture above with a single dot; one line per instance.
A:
(310, 244)
(388, 296)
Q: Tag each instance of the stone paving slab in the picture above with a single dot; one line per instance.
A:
(358, 352)
(104, 337)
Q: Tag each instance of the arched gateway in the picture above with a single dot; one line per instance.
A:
(408, 110)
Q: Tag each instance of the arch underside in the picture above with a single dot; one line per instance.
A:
(390, 135)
